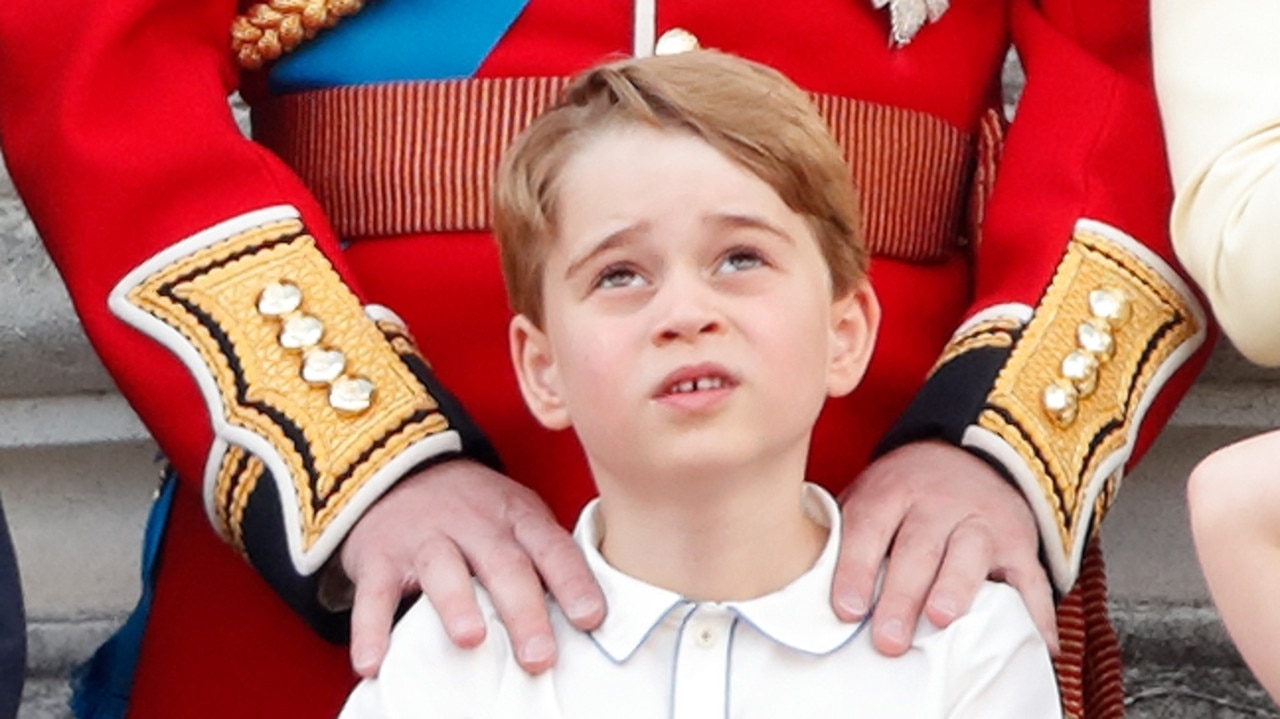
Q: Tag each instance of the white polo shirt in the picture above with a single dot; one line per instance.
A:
(782, 655)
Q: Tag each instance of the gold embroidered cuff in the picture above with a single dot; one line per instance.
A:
(302, 384)
(1063, 415)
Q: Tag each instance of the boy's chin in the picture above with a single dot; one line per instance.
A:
(698, 465)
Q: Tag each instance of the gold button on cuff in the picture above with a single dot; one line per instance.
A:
(1110, 305)
(351, 395)
(1081, 369)
(1094, 336)
(675, 41)
(301, 331)
(1061, 402)
(322, 366)
(278, 299)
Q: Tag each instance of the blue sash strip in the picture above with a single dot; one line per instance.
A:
(399, 40)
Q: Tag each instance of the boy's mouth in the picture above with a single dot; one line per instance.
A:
(703, 377)
(697, 385)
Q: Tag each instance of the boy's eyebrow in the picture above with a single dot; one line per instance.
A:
(734, 220)
(729, 220)
(613, 239)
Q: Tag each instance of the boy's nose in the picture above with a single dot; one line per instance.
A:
(687, 310)
(688, 330)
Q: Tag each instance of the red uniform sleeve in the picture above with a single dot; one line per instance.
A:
(1082, 335)
(209, 282)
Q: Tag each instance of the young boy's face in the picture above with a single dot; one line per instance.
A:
(688, 317)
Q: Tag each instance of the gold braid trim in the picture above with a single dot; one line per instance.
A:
(270, 29)
(999, 332)
(213, 298)
(238, 476)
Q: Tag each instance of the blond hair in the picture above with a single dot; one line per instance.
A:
(749, 112)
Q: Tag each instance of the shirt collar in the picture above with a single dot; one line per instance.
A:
(798, 616)
(633, 607)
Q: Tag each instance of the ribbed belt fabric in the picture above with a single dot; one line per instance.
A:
(420, 157)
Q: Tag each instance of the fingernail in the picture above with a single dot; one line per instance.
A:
(853, 605)
(466, 628)
(363, 659)
(893, 631)
(537, 650)
(945, 606)
(581, 608)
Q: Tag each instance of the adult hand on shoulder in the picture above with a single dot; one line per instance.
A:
(432, 530)
(947, 521)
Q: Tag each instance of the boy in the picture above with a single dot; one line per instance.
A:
(679, 240)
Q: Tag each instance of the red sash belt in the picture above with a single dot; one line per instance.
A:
(419, 157)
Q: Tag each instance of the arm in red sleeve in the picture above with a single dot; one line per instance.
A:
(209, 282)
(1082, 335)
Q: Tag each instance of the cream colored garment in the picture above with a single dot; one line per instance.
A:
(1217, 65)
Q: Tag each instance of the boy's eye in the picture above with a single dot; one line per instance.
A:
(740, 259)
(618, 276)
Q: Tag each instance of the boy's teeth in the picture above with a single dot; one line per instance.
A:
(700, 384)
(709, 383)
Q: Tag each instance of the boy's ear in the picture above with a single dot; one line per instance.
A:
(855, 319)
(537, 373)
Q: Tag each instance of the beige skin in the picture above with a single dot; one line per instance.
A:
(1235, 519)
(690, 339)
(945, 520)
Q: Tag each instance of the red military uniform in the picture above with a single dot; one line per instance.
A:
(1030, 312)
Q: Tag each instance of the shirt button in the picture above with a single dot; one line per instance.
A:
(675, 41)
(704, 637)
